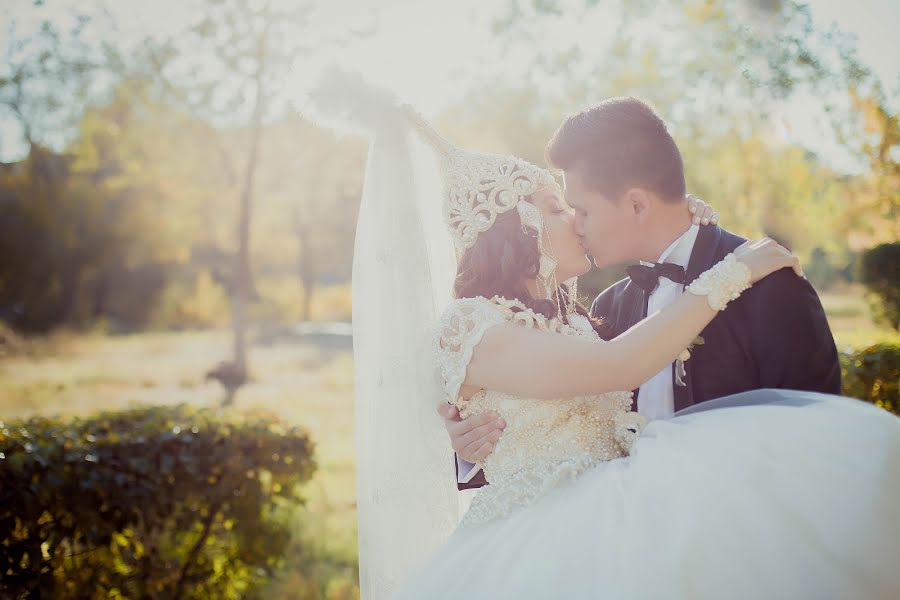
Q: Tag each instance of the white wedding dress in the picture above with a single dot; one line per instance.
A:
(755, 502)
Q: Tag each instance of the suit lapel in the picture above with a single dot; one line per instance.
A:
(645, 307)
(639, 313)
(633, 310)
(634, 307)
(702, 257)
(704, 252)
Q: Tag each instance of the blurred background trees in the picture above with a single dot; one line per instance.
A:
(148, 170)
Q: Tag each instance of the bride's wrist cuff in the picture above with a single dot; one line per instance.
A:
(723, 283)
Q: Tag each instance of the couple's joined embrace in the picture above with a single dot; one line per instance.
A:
(693, 491)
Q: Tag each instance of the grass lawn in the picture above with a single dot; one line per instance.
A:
(851, 320)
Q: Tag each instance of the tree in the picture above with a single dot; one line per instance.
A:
(230, 71)
(78, 204)
(46, 77)
(874, 210)
(312, 184)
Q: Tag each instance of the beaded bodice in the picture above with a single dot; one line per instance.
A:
(545, 442)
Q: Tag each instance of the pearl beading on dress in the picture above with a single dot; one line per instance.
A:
(723, 283)
(546, 442)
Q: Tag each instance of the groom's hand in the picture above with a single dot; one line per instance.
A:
(473, 438)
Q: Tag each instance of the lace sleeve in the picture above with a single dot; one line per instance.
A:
(462, 327)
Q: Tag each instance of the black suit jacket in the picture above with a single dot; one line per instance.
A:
(774, 336)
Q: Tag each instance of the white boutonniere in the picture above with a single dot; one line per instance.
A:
(680, 371)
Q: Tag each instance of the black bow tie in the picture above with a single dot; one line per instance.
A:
(647, 278)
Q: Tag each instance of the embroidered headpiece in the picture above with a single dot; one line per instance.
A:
(480, 186)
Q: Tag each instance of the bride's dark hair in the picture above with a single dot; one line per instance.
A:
(502, 258)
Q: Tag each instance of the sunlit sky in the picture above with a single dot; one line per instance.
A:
(428, 51)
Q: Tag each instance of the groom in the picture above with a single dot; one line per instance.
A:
(624, 177)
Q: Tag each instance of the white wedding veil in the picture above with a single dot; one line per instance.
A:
(403, 271)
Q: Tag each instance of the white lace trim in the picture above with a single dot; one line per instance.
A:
(462, 327)
(523, 488)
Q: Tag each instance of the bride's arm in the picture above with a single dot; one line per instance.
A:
(536, 364)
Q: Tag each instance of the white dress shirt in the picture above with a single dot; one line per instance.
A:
(656, 399)
(466, 471)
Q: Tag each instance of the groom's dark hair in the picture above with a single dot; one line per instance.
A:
(622, 143)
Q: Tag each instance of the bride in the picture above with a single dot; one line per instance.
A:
(796, 498)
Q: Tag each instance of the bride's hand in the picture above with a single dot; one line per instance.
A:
(704, 214)
(766, 256)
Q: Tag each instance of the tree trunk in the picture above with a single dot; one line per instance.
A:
(71, 292)
(308, 289)
(307, 275)
(101, 294)
(242, 275)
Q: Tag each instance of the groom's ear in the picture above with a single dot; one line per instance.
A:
(638, 203)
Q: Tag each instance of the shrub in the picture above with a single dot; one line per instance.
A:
(872, 373)
(880, 273)
(159, 502)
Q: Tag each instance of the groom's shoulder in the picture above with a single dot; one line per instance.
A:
(783, 287)
(729, 241)
(783, 284)
(786, 292)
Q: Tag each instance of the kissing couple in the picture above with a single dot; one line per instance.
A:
(681, 439)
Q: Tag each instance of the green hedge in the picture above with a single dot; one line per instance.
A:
(872, 373)
(160, 502)
(879, 271)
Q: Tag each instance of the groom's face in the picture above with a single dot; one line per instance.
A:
(606, 226)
